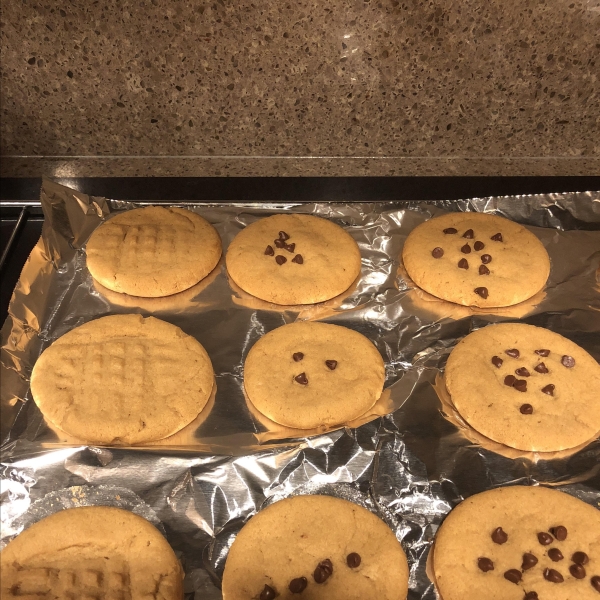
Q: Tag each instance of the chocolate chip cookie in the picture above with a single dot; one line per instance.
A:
(315, 547)
(519, 543)
(293, 259)
(308, 374)
(526, 387)
(476, 259)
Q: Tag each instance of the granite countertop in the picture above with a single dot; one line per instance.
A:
(359, 87)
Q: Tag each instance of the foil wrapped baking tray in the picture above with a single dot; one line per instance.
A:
(409, 460)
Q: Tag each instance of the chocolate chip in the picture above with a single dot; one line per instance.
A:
(332, 364)
(513, 353)
(450, 230)
(553, 576)
(555, 554)
(595, 581)
(485, 564)
(290, 247)
(542, 352)
(541, 368)
(529, 561)
(577, 571)
(483, 270)
(568, 361)
(437, 253)
(531, 596)
(297, 356)
(522, 372)
(520, 385)
(280, 260)
(560, 533)
(298, 259)
(545, 539)
(478, 246)
(279, 243)
(469, 234)
(268, 593)
(327, 565)
(269, 251)
(463, 263)
(497, 361)
(497, 237)
(298, 585)
(526, 409)
(323, 571)
(548, 389)
(284, 236)
(513, 575)
(481, 291)
(499, 536)
(580, 558)
(509, 380)
(353, 559)
(302, 379)
(486, 259)
(466, 249)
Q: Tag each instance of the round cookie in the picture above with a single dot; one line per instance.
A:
(326, 547)
(122, 379)
(91, 552)
(308, 374)
(519, 543)
(293, 259)
(476, 259)
(526, 387)
(153, 251)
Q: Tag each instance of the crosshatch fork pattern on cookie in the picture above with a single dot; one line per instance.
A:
(149, 242)
(69, 584)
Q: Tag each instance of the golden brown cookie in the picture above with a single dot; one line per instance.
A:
(293, 259)
(315, 548)
(122, 379)
(476, 259)
(519, 543)
(526, 387)
(153, 251)
(308, 374)
(98, 552)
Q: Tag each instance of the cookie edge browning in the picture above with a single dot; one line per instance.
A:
(316, 499)
(316, 423)
(289, 300)
(40, 365)
(103, 515)
(477, 301)
(97, 271)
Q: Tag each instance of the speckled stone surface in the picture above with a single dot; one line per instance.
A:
(398, 86)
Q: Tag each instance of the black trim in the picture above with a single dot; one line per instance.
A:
(301, 189)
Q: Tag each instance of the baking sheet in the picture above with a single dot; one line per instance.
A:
(410, 466)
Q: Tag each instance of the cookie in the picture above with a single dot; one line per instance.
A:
(95, 552)
(122, 379)
(307, 375)
(153, 251)
(293, 259)
(519, 543)
(476, 259)
(315, 547)
(525, 387)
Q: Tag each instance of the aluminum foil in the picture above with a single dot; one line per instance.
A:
(410, 462)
